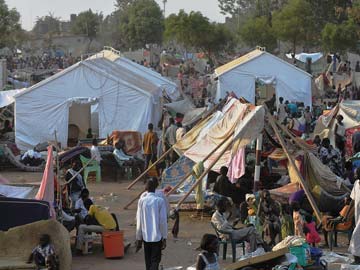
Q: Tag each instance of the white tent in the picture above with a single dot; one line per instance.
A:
(153, 77)
(125, 100)
(240, 75)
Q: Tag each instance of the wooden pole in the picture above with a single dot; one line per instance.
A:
(229, 142)
(292, 163)
(185, 177)
(78, 172)
(149, 168)
(133, 200)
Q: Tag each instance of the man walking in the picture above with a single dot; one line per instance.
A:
(151, 226)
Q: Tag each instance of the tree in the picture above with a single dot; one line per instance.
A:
(141, 23)
(295, 23)
(10, 27)
(47, 24)
(195, 30)
(123, 4)
(87, 23)
(257, 31)
(340, 37)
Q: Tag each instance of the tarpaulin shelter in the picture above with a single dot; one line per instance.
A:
(304, 56)
(350, 111)
(239, 76)
(118, 92)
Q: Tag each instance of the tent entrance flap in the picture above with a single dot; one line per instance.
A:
(80, 119)
(265, 88)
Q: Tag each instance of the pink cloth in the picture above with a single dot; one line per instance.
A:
(312, 237)
(237, 166)
(46, 190)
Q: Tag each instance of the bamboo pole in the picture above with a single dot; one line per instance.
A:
(59, 193)
(229, 142)
(149, 168)
(292, 163)
(133, 200)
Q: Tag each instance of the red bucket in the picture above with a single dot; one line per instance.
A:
(113, 244)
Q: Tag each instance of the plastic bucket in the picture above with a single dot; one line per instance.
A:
(113, 244)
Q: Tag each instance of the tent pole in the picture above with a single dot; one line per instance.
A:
(229, 142)
(78, 172)
(184, 178)
(149, 168)
(259, 143)
(57, 177)
(292, 163)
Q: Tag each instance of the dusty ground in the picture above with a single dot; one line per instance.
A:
(179, 252)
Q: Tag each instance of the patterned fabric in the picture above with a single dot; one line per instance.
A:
(177, 171)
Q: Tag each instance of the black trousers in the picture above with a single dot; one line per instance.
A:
(152, 252)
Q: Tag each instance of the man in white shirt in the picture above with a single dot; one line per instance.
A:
(151, 226)
(95, 153)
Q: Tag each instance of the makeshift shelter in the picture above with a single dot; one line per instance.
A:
(239, 76)
(66, 98)
(325, 125)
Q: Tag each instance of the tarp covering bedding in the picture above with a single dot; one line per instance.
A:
(21, 211)
(239, 76)
(46, 104)
(7, 97)
(15, 192)
(316, 173)
(245, 121)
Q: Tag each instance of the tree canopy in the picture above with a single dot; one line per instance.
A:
(47, 24)
(257, 31)
(10, 28)
(87, 23)
(294, 23)
(194, 30)
(141, 23)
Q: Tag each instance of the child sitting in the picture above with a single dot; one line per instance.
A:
(298, 220)
(207, 259)
(44, 254)
(312, 236)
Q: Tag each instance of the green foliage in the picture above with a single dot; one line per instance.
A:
(195, 30)
(87, 23)
(294, 23)
(340, 37)
(48, 24)
(10, 28)
(257, 31)
(141, 23)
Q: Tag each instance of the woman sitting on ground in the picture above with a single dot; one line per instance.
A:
(269, 213)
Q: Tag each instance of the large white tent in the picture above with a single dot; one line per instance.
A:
(125, 99)
(239, 76)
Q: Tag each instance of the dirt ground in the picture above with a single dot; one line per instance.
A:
(179, 252)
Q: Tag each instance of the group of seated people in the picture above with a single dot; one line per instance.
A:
(81, 213)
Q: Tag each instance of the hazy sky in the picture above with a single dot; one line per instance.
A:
(30, 9)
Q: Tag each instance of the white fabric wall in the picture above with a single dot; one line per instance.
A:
(242, 84)
(44, 109)
(290, 83)
(156, 78)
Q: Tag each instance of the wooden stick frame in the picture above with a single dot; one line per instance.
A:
(292, 163)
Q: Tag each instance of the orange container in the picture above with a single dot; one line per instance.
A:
(113, 244)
